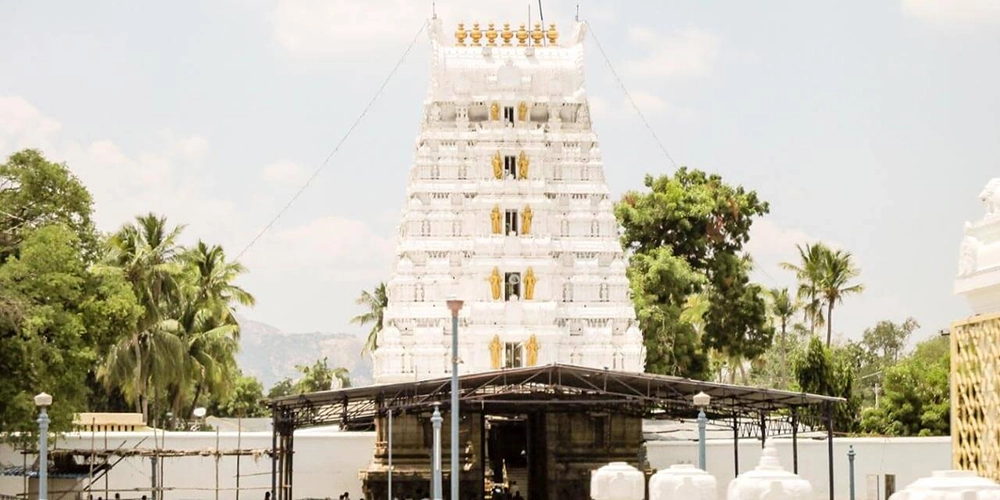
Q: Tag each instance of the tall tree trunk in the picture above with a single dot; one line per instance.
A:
(829, 323)
(784, 353)
(194, 401)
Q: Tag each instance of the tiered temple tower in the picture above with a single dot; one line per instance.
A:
(507, 208)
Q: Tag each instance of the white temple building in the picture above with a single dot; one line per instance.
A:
(507, 209)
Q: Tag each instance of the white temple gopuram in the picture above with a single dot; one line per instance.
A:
(507, 208)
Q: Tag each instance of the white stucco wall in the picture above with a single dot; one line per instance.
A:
(907, 458)
(326, 464)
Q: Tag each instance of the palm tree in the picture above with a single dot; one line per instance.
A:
(213, 279)
(837, 271)
(809, 273)
(145, 252)
(783, 307)
(376, 302)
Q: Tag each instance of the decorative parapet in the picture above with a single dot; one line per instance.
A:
(975, 387)
(769, 480)
(950, 485)
(682, 482)
(618, 481)
(978, 277)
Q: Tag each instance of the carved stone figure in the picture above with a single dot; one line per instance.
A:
(522, 111)
(497, 166)
(531, 348)
(529, 284)
(495, 281)
(495, 349)
(495, 222)
(991, 198)
(522, 165)
(968, 256)
(526, 217)
(495, 111)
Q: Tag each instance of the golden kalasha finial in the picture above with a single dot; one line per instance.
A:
(522, 35)
(507, 34)
(552, 34)
(536, 35)
(491, 36)
(475, 34)
(460, 34)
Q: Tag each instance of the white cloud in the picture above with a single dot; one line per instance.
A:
(22, 125)
(953, 11)
(771, 244)
(650, 104)
(284, 172)
(686, 54)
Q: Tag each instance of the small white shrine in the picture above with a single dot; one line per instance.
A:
(507, 209)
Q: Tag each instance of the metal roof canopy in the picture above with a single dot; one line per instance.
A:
(555, 387)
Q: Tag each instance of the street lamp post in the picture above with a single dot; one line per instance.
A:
(702, 400)
(43, 401)
(455, 306)
(436, 465)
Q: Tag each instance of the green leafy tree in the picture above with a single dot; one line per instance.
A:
(34, 193)
(917, 398)
(284, 387)
(783, 307)
(315, 377)
(837, 273)
(684, 236)
(244, 400)
(375, 303)
(821, 371)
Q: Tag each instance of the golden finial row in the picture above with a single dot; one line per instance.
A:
(537, 35)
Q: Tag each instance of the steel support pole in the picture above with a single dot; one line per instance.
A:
(736, 446)
(43, 454)
(702, 423)
(455, 470)
(389, 495)
(274, 454)
(850, 461)
(795, 441)
(829, 444)
(436, 485)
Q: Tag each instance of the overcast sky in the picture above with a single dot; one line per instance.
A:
(869, 125)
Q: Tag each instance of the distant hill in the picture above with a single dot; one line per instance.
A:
(271, 355)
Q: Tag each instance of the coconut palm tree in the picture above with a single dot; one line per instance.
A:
(837, 272)
(146, 361)
(809, 272)
(375, 301)
(214, 279)
(783, 307)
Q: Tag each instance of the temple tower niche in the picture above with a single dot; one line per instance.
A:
(507, 208)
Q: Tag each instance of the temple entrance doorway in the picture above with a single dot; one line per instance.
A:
(514, 457)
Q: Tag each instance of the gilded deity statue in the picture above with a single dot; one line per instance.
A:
(495, 281)
(495, 111)
(526, 220)
(522, 111)
(529, 284)
(497, 166)
(531, 347)
(522, 165)
(495, 349)
(496, 225)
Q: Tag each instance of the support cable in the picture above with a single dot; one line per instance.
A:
(628, 95)
(340, 143)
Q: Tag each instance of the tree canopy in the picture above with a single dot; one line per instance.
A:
(685, 236)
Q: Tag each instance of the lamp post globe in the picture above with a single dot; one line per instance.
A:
(702, 400)
(43, 401)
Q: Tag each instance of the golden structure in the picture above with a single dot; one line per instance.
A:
(537, 35)
(495, 111)
(529, 284)
(531, 347)
(497, 165)
(495, 348)
(491, 36)
(496, 222)
(522, 111)
(522, 165)
(475, 34)
(495, 283)
(975, 395)
(526, 217)
(522, 36)
(460, 35)
(506, 34)
(552, 34)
